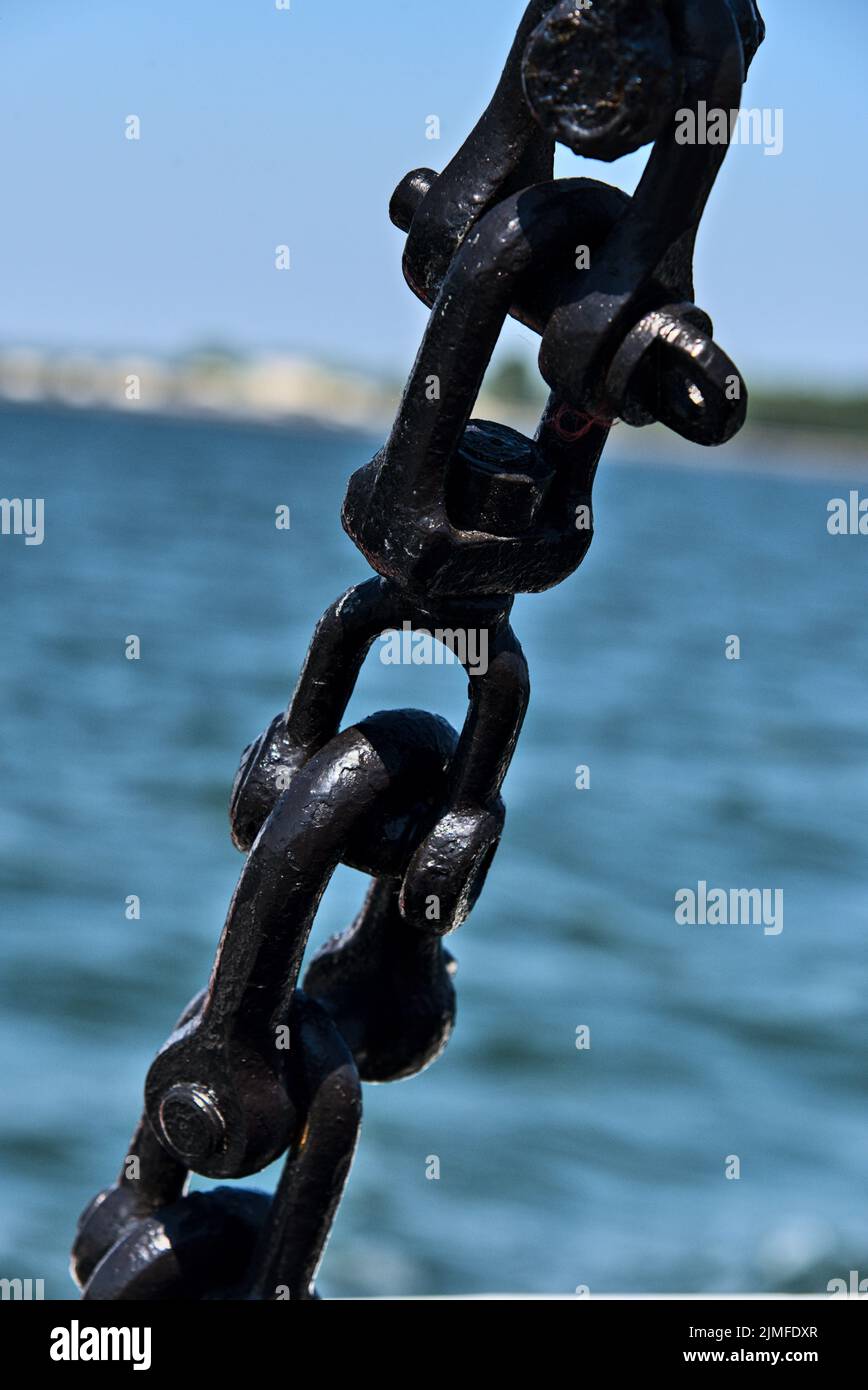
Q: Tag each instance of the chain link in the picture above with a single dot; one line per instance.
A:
(455, 517)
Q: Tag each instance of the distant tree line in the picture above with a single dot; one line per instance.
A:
(514, 380)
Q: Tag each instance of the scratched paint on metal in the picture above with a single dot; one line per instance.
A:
(455, 517)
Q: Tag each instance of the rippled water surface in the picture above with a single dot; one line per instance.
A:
(558, 1167)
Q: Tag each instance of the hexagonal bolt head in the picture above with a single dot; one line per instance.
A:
(498, 481)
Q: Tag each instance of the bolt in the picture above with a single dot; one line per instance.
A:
(192, 1124)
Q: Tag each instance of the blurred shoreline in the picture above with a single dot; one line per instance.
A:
(793, 432)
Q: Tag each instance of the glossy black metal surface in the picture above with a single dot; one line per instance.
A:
(456, 517)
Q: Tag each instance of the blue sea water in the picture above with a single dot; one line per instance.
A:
(559, 1167)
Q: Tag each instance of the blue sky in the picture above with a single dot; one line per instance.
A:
(261, 126)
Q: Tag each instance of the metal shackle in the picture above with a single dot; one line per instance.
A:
(233, 1243)
(218, 1094)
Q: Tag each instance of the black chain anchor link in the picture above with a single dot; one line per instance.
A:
(456, 517)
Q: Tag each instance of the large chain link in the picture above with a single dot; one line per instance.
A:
(456, 517)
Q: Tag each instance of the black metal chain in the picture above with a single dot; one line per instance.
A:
(456, 517)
